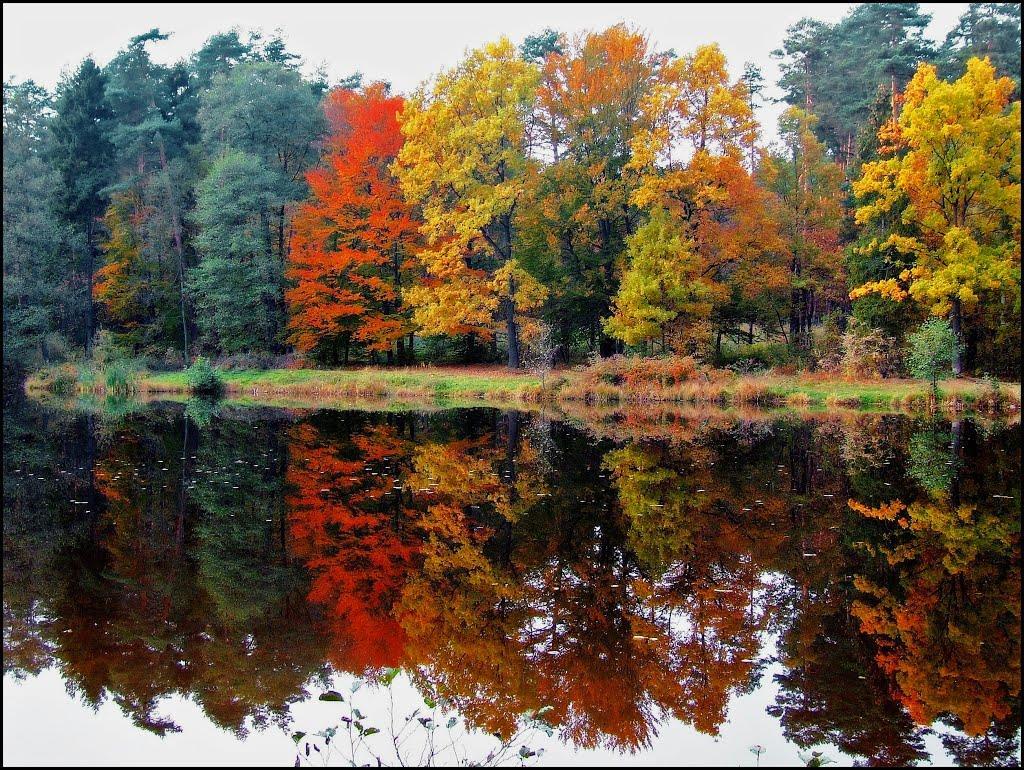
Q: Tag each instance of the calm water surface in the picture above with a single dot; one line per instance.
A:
(201, 584)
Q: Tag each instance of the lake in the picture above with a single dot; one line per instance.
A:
(217, 584)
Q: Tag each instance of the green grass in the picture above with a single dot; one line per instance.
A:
(481, 385)
(882, 393)
(488, 383)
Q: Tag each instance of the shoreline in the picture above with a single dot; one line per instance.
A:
(467, 386)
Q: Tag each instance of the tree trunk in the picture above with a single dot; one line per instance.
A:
(179, 247)
(794, 317)
(955, 321)
(90, 270)
(511, 326)
(513, 336)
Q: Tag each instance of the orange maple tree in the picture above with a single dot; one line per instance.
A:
(351, 245)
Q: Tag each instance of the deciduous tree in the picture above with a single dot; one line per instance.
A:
(351, 252)
(465, 162)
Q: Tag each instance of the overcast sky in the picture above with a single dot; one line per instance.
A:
(400, 43)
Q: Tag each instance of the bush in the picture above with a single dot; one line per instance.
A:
(932, 349)
(634, 373)
(828, 345)
(202, 377)
(106, 350)
(65, 379)
(748, 366)
(119, 376)
(173, 359)
(868, 352)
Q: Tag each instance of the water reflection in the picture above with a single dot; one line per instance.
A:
(618, 573)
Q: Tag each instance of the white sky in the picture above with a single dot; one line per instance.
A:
(399, 42)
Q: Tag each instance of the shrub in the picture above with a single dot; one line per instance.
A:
(993, 398)
(65, 379)
(173, 359)
(119, 376)
(828, 346)
(868, 352)
(636, 373)
(747, 366)
(202, 377)
(932, 349)
(106, 349)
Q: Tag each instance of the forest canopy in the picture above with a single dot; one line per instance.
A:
(590, 190)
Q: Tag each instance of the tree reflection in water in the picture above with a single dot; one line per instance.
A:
(619, 574)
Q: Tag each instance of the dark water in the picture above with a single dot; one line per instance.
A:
(673, 590)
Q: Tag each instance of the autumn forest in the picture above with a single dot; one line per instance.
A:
(591, 402)
(566, 196)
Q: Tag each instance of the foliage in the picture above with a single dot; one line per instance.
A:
(663, 287)
(202, 377)
(582, 190)
(932, 350)
(837, 70)
(351, 249)
(954, 155)
(464, 163)
(868, 352)
(235, 287)
(984, 29)
(809, 214)
(39, 278)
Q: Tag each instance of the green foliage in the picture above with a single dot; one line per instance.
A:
(119, 376)
(662, 288)
(265, 109)
(984, 29)
(840, 68)
(203, 377)
(236, 288)
(535, 47)
(39, 302)
(932, 350)
(931, 463)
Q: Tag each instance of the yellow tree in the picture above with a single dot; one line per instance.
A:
(465, 162)
(689, 156)
(662, 287)
(952, 176)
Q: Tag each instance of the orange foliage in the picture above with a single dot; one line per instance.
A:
(350, 251)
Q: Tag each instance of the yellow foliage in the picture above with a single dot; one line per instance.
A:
(464, 163)
(954, 181)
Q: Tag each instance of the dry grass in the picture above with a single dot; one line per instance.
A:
(611, 382)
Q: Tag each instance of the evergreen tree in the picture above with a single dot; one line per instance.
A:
(81, 154)
(237, 285)
(985, 29)
(36, 268)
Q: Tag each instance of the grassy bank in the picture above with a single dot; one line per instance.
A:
(481, 385)
(455, 385)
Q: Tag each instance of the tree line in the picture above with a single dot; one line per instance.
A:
(586, 189)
